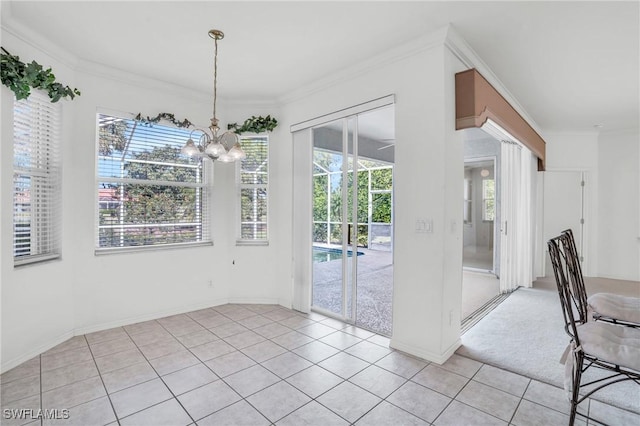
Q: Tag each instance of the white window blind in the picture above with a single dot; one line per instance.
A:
(149, 193)
(253, 179)
(36, 179)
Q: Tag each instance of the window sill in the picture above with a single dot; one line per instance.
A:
(252, 243)
(35, 260)
(134, 249)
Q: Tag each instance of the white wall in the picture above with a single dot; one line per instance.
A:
(37, 300)
(619, 209)
(610, 161)
(576, 152)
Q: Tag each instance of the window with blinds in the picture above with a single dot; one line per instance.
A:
(149, 193)
(253, 179)
(36, 179)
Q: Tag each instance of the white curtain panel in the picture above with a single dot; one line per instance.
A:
(525, 236)
(516, 232)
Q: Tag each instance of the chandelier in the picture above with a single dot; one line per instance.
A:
(226, 147)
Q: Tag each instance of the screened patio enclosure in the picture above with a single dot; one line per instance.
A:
(352, 223)
(375, 180)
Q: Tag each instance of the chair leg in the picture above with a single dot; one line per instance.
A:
(575, 391)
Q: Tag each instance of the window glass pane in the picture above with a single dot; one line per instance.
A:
(327, 161)
(335, 233)
(147, 235)
(363, 235)
(363, 196)
(382, 179)
(488, 199)
(159, 204)
(381, 207)
(254, 231)
(320, 197)
(254, 168)
(149, 192)
(254, 205)
(320, 232)
(36, 179)
(253, 193)
(335, 180)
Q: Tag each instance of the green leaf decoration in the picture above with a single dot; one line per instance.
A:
(254, 125)
(163, 116)
(21, 78)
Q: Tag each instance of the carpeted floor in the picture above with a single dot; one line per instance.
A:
(525, 335)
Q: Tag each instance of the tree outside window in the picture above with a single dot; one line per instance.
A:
(488, 199)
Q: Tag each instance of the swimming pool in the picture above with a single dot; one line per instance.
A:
(325, 254)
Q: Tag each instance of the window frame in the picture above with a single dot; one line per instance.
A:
(255, 186)
(205, 184)
(49, 173)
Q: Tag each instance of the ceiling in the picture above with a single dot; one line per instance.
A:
(571, 65)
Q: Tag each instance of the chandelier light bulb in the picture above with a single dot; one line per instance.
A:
(226, 158)
(215, 149)
(237, 153)
(190, 148)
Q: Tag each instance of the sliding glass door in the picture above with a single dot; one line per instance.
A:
(352, 198)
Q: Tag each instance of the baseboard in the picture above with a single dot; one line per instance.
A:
(6, 366)
(253, 300)
(285, 303)
(148, 317)
(426, 355)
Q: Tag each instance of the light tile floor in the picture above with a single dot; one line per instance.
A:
(264, 365)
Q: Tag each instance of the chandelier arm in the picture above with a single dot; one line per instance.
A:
(204, 135)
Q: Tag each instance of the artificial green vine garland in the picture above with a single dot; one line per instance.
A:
(163, 116)
(21, 78)
(253, 125)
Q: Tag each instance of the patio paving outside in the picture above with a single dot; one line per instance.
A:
(374, 289)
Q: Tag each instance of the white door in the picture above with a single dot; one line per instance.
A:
(563, 209)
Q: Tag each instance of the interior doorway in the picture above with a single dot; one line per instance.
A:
(480, 198)
(481, 232)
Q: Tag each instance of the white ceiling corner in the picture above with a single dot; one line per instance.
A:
(569, 65)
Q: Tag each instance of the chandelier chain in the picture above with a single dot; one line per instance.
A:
(215, 76)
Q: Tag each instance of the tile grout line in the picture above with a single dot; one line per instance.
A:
(219, 378)
(283, 379)
(159, 377)
(520, 401)
(101, 380)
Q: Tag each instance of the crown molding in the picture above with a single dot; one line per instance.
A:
(31, 38)
(35, 40)
(115, 74)
(390, 56)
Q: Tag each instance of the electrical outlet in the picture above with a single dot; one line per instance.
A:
(210, 283)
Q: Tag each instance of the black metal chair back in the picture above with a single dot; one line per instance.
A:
(574, 267)
(571, 292)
